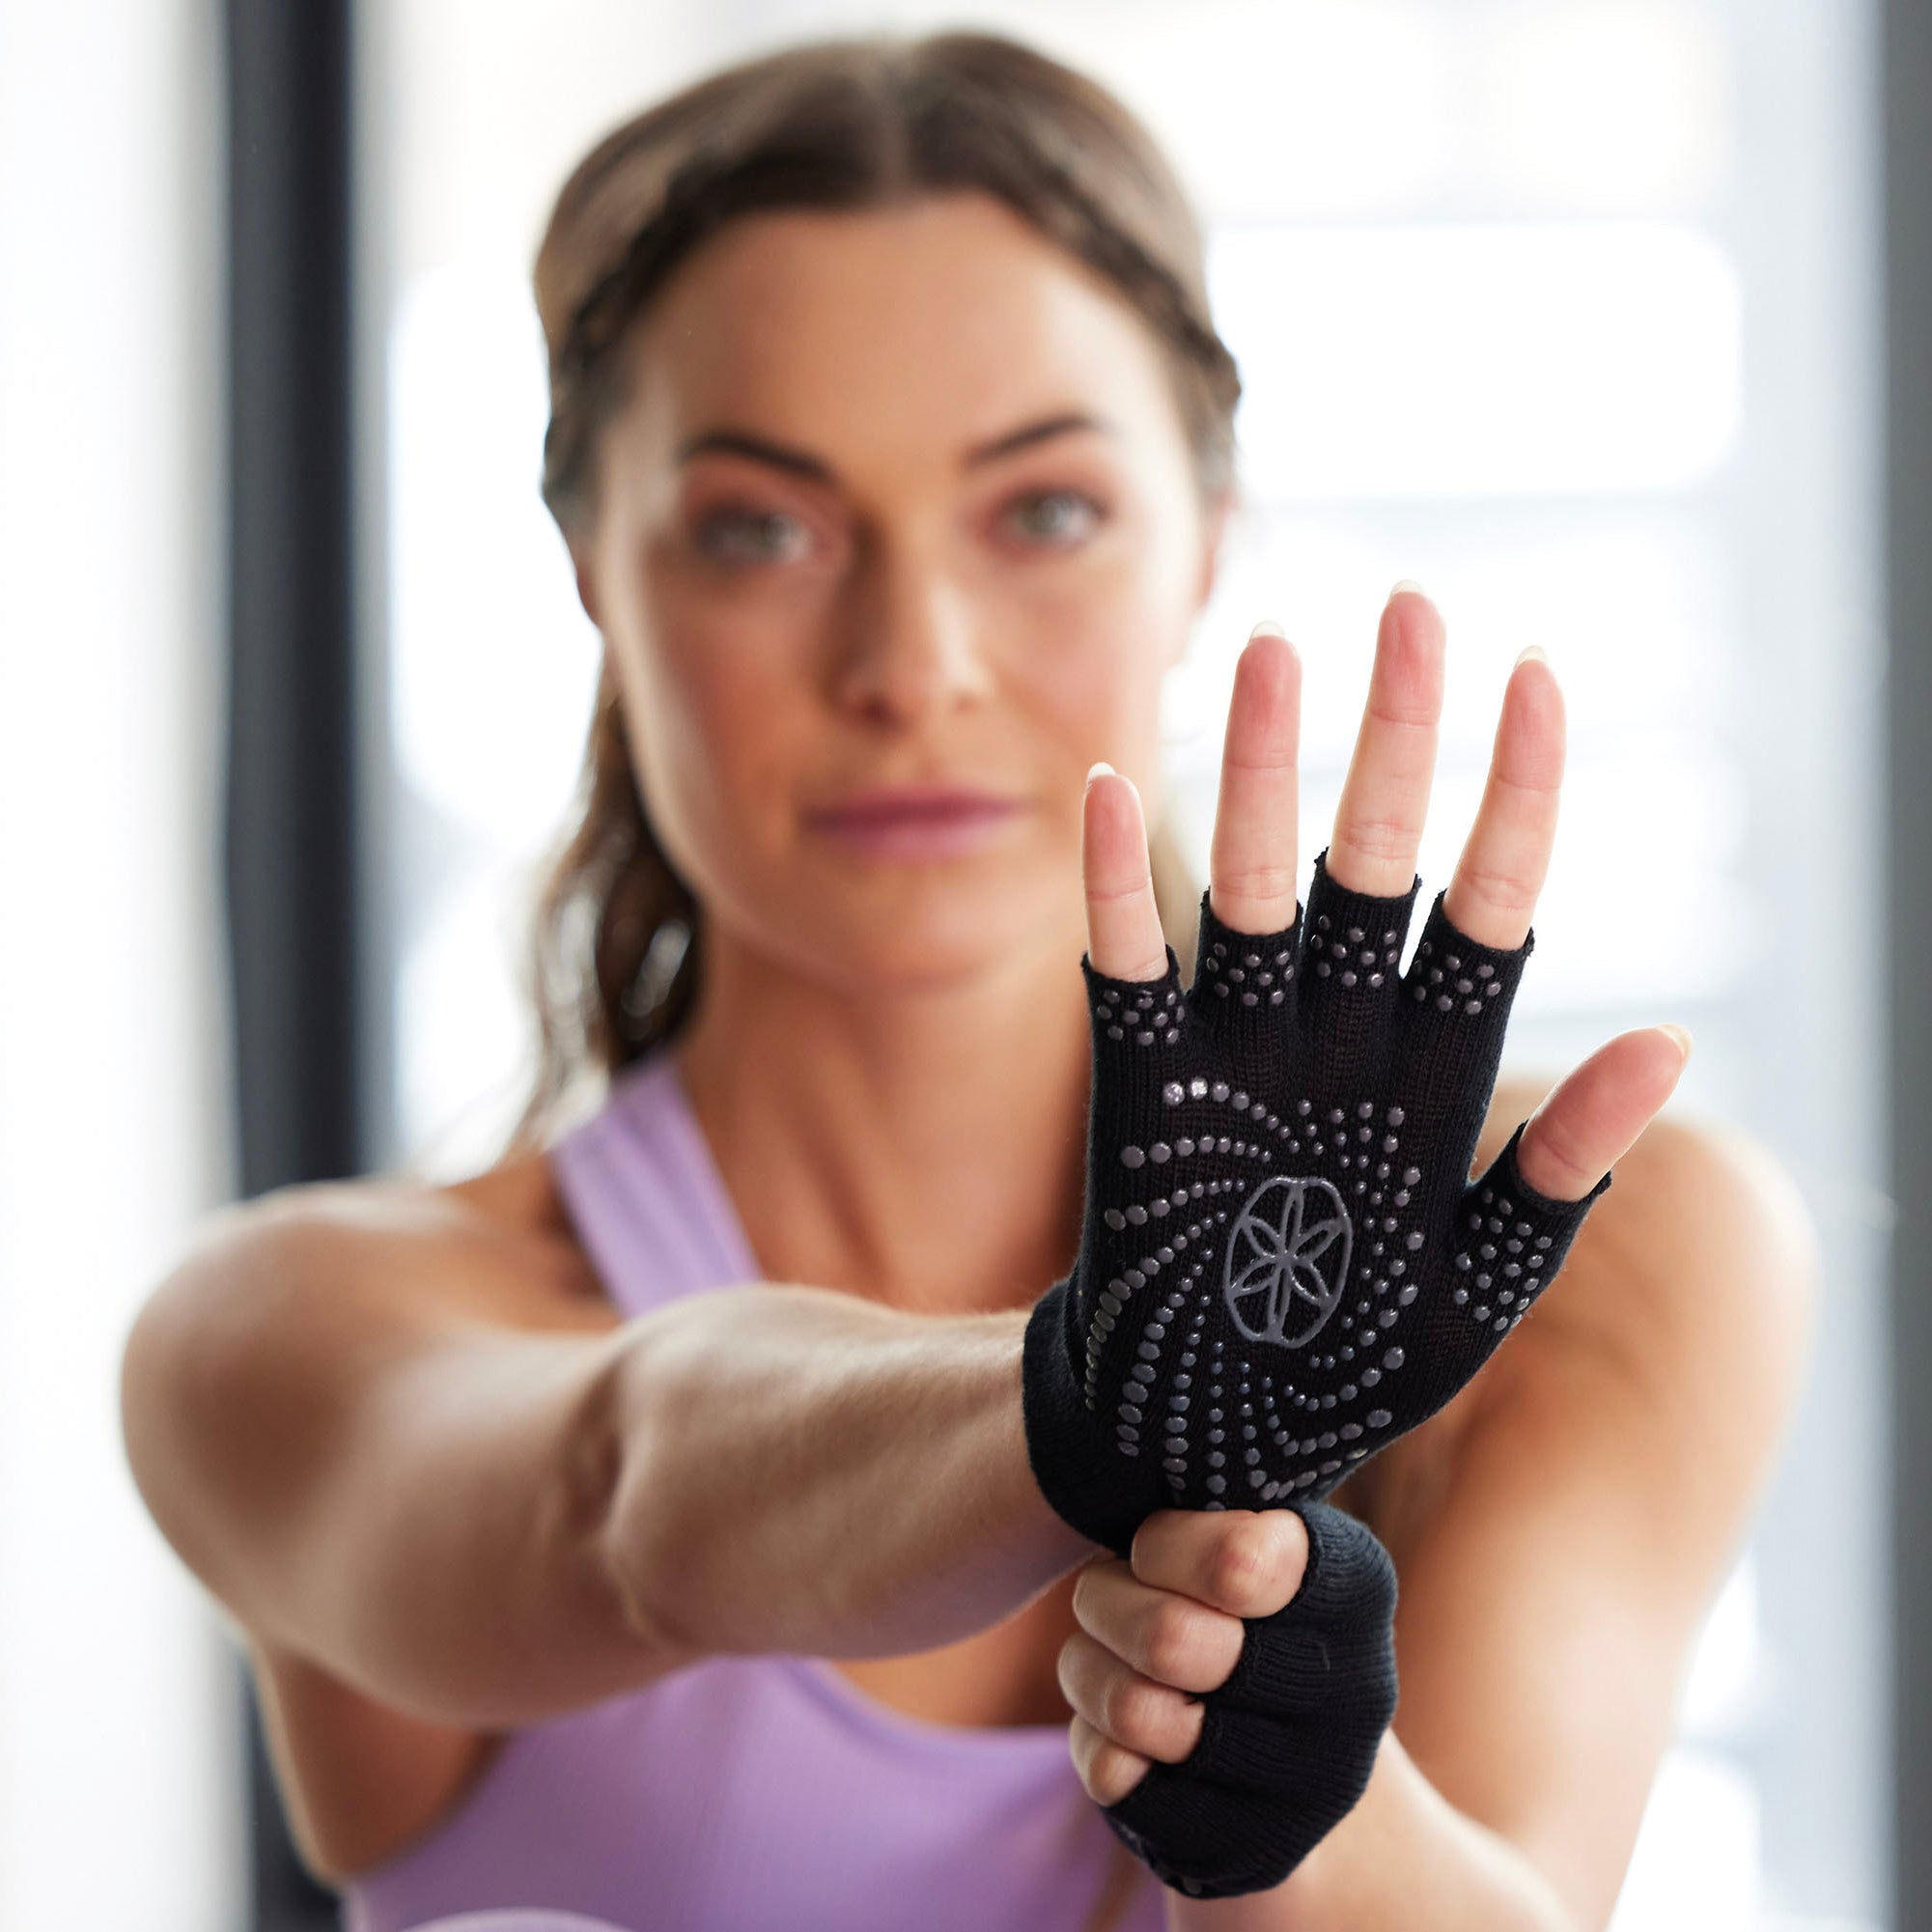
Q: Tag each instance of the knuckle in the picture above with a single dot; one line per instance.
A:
(1136, 1712)
(1113, 1772)
(1556, 1143)
(1254, 880)
(1084, 1745)
(1067, 1665)
(1092, 1584)
(1294, 1545)
(1116, 1703)
(1391, 708)
(1518, 783)
(1506, 895)
(1108, 891)
(1382, 840)
(1171, 1642)
(1242, 1562)
(1081, 1599)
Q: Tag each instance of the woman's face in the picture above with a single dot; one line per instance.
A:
(900, 505)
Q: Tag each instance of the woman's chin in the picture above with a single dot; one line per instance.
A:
(936, 942)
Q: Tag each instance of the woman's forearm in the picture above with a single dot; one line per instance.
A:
(801, 1469)
(1404, 1858)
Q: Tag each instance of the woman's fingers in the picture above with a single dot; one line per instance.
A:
(1592, 1117)
(1159, 1633)
(1137, 1713)
(1245, 1563)
(1253, 860)
(1252, 865)
(1384, 799)
(1506, 855)
(1163, 1635)
(1125, 1715)
(1125, 939)
(1107, 1769)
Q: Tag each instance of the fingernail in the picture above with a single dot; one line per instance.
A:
(1535, 651)
(1681, 1034)
(1097, 770)
(1267, 627)
(1408, 584)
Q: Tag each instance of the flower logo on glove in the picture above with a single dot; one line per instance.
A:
(1289, 1227)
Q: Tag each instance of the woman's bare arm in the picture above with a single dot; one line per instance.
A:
(805, 1471)
(368, 1419)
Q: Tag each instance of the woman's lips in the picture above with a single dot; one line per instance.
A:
(914, 822)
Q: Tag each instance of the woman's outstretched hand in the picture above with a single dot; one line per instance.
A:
(1591, 1118)
(1284, 1265)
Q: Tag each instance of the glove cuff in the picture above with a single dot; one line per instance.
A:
(1087, 1483)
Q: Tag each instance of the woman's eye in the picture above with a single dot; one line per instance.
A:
(750, 536)
(1057, 516)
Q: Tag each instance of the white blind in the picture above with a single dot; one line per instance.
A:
(120, 1718)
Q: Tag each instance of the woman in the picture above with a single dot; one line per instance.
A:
(891, 441)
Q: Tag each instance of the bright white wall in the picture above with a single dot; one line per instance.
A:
(120, 1732)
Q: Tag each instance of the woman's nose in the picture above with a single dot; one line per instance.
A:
(909, 640)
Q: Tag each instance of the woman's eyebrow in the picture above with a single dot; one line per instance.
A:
(801, 462)
(1065, 424)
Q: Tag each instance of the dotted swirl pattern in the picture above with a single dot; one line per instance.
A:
(1286, 1265)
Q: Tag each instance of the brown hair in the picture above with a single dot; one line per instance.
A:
(846, 124)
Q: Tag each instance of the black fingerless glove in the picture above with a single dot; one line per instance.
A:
(1288, 1740)
(1284, 1265)
(1284, 1268)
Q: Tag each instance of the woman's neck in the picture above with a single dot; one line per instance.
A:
(925, 1149)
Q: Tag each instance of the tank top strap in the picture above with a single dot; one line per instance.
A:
(646, 1196)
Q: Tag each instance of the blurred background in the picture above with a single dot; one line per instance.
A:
(1619, 306)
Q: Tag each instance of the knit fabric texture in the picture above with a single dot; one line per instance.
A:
(1289, 1739)
(1285, 1264)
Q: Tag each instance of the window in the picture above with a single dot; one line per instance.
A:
(1567, 313)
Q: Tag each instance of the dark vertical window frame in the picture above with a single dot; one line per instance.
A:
(294, 861)
(1906, 107)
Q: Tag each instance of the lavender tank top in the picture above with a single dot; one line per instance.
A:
(748, 1794)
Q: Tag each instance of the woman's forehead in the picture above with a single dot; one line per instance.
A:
(949, 317)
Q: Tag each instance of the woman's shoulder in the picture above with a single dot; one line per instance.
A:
(1712, 1250)
(514, 1213)
(495, 1245)
(1686, 1297)
(1690, 1288)
(518, 1198)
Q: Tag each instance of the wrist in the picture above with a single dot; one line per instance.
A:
(1098, 1489)
(1050, 1540)
(1406, 1856)
(1325, 1892)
